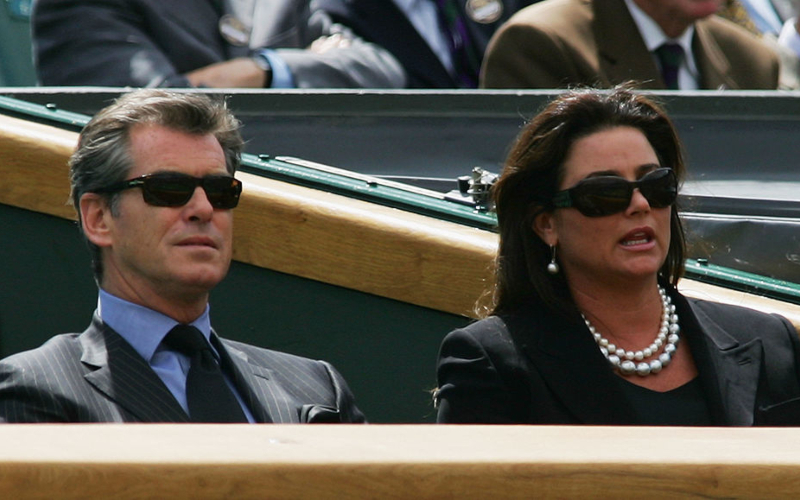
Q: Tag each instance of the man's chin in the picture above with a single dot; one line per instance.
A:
(201, 280)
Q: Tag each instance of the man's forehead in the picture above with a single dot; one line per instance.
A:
(156, 147)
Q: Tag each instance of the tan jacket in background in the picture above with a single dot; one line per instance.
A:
(564, 43)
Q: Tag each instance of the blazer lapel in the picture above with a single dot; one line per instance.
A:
(573, 367)
(732, 381)
(253, 382)
(124, 377)
(714, 67)
(621, 49)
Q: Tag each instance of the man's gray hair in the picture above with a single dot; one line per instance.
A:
(103, 158)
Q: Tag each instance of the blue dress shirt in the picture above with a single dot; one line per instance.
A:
(144, 329)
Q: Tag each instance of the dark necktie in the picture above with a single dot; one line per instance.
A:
(209, 397)
(670, 55)
(466, 63)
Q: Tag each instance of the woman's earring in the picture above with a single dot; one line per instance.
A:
(552, 267)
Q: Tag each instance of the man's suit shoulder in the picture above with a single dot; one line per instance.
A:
(726, 30)
(39, 385)
(282, 364)
(264, 355)
(732, 36)
(554, 16)
(61, 347)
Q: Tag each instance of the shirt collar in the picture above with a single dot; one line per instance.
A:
(652, 33)
(142, 328)
(654, 36)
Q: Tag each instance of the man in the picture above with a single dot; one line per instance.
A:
(440, 43)
(661, 44)
(202, 43)
(152, 182)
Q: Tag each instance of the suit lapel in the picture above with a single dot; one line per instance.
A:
(573, 367)
(714, 67)
(254, 383)
(622, 52)
(121, 374)
(731, 381)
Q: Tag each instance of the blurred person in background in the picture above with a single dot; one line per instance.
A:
(440, 43)
(661, 44)
(203, 43)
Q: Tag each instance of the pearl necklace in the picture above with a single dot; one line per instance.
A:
(668, 337)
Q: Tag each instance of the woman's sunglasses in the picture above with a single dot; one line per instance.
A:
(175, 189)
(606, 195)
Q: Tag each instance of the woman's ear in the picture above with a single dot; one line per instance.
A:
(544, 226)
(96, 219)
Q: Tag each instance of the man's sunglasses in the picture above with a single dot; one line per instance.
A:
(606, 195)
(175, 190)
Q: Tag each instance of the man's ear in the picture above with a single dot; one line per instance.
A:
(96, 219)
(544, 226)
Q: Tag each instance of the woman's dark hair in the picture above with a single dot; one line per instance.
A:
(532, 175)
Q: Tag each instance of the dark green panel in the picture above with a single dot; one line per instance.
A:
(385, 349)
(46, 285)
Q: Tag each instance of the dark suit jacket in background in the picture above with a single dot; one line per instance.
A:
(97, 376)
(383, 23)
(560, 43)
(535, 368)
(152, 43)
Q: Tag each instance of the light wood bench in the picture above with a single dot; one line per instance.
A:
(395, 461)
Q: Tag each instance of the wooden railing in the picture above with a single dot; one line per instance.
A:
(315, 234)
(395, 461)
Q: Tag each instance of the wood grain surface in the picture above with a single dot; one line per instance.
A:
(395, 461)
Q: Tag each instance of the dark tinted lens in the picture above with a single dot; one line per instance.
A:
(602, 196)
(168, 191)
(659, 187)
(222, 191)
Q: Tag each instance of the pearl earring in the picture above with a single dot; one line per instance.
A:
(552, 267)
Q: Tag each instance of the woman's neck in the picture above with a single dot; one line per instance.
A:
(629, 315)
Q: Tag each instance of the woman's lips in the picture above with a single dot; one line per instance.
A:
(639, 236)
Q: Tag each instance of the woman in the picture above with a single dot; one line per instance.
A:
(587, 326)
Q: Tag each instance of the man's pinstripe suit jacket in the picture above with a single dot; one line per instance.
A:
(96, 376)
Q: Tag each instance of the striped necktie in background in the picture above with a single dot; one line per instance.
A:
(466, 62)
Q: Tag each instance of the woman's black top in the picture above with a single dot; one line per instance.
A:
(685, 405)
